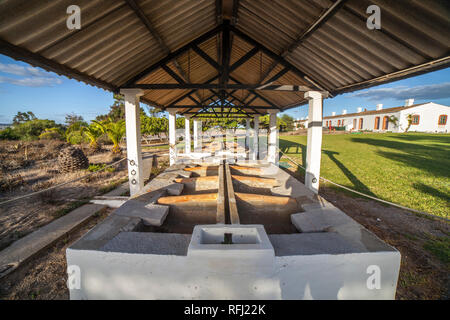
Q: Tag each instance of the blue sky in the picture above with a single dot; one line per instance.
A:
(49, 96)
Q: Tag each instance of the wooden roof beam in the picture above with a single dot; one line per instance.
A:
(138, 11)
(235, 17)
(174, 54)
(330, 12)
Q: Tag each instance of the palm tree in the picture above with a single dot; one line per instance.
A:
(93, 132)
(409, 119)
(115, 131)
(393, 120)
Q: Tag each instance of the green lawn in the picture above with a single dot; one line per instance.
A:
(409, 169)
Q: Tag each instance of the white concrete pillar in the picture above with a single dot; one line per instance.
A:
(314, 140)
(196, 123)
(272, 153)
(172, 137)
(247, 134)
(187, 134)
(133, 135)
(255, 138)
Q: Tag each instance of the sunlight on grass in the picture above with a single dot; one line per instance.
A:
(409, 169)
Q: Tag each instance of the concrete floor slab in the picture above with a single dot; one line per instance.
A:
(105, 231)
(149, 243)
(310, 221)
(311, 243)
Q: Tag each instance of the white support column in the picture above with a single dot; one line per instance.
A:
(172, 137)
(314, 140)
(133, 135)
(195, 123)
(187, 134)
(255, 138)
(247, 134)
(272, 154)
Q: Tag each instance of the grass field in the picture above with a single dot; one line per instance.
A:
(409, 169)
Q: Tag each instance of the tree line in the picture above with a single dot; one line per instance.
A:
(111, 126)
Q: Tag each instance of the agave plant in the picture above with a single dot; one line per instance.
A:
(93, 132)
(116, 132)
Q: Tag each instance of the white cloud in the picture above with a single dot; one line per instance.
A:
(425, 92)
(32, 81)
(19, 70)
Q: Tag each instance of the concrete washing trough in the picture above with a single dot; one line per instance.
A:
(239, 230)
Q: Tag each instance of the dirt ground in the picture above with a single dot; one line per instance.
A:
(423, 275)
(45, 277)
(32, 166)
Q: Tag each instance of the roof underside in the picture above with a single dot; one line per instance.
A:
(187, 54)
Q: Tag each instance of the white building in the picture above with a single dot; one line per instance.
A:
(426, 117)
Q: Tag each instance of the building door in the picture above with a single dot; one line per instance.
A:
(360, 124)
(377, 123)
(385, 123)
(354, 123)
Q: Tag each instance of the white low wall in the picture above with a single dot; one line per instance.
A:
(115, 275)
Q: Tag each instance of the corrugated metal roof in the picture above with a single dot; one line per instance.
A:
(327, 43)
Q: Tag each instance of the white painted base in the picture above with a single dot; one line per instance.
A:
(116, 275)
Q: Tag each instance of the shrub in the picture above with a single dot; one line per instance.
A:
(98, 166)
(76, 137)
(51, 134)
(8, 134)
(31, 130)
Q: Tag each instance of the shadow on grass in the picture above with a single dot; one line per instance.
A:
(432, 159)
(350, 176)
(436, 166)
(403, 146)
(420, 137)
(287, 147)
(432, 191)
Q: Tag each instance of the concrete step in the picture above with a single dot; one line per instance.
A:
(151, 214)
(28, 246)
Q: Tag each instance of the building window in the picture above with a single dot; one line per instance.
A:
(339, 123)
(354, 123)
(442, 120)
(342, 122)
(415, 119)
(377, 123)
(385, 123)
(360, 123)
